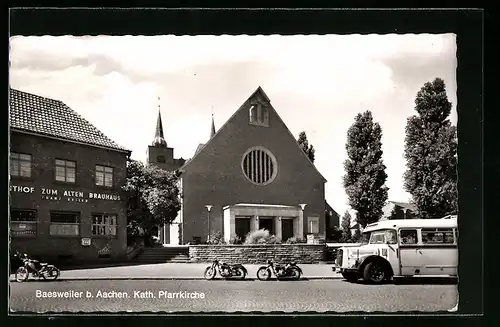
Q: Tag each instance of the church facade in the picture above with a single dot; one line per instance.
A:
(250, 175)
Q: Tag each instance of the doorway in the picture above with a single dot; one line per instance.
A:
(267, 223)
(286, 228)
(242, 227)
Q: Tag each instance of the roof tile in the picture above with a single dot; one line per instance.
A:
(36, 114)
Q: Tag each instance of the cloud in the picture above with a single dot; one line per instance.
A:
(316, 83)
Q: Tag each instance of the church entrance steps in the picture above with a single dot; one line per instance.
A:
(163, 255)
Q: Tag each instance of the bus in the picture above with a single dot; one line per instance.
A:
(402, 248)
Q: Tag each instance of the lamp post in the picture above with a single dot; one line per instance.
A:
(209, 208)
(301, 220)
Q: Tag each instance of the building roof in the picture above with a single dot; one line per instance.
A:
(159, 140)
(404, 205)
(47, 117)
(261, 92)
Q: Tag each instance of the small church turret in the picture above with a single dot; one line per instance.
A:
(212, 129)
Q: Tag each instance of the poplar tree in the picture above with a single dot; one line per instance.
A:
(304, 145)
(431, 153)
(365, 177)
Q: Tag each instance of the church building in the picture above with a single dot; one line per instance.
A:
(251, 174)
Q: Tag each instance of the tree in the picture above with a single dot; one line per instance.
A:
(345, 226)
(357, 235)
(365, 176)
(304, 145)
(431, 153)
(152, 197)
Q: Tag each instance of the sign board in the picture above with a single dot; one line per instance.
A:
(22, 226)
(312, 239)
(86, 241)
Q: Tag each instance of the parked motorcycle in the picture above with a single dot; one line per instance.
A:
(289, 270)
(225, 270)
(36, 269)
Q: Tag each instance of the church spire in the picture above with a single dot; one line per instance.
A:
(159, 139)
(212, 130)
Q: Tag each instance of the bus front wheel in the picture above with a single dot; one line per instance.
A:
(374, 272)
(350, 276)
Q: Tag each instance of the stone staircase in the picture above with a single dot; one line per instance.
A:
(163, 255)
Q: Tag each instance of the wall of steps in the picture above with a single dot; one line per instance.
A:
(163, 255)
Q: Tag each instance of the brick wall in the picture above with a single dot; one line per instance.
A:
(44, 152)
(215, 176)
(259, 254)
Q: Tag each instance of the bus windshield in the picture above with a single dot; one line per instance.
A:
(383, 236)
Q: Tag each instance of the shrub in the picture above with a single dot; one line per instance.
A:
(216, 238)
(235, 239)
(295, 240)
(261, 236)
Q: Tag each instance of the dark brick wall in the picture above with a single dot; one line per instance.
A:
(45, 151)
(257, 254)
(215, 176)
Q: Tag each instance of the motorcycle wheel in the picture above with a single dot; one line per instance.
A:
(263, 273)
(294, 273)
(51, 273)
(242, 273)
(22, 274)
(209, 273)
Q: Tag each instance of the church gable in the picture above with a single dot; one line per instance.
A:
(254, 136)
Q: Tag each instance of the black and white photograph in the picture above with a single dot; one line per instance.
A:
(233, 173)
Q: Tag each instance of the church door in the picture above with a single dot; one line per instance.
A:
(267, 223)
(242, 227)
(286, 228)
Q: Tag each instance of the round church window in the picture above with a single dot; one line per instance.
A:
(259, 166)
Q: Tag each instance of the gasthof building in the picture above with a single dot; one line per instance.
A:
(66, 201)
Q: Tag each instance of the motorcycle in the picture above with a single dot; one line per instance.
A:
(225, 270)
(289, 270)
(36, 269)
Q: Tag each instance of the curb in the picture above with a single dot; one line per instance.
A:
(179, 278)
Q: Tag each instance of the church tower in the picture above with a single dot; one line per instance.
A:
(159, 153)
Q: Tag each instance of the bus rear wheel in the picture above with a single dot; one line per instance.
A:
(374, 272)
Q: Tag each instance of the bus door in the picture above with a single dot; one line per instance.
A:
(409, 254)
(439, 252)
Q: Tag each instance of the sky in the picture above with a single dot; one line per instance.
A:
(317, 84)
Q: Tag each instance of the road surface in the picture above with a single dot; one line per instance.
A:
(228, 296)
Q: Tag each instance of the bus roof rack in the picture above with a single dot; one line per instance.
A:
(450, 217)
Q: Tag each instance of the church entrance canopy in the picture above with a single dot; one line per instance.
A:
(281, 220)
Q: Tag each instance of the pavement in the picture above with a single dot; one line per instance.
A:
(162, 296)
(178, 271)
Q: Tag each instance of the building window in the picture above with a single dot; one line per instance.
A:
(437, 236)
(313, 225)
(64, 223)
(259, 166)
(23, 223)
(65, 171)
(259, 115)
(20, 164)
(160, 159)
(103, 225)
(103, 176)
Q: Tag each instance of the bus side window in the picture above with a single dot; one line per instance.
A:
(437, 236)
(408, 236)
